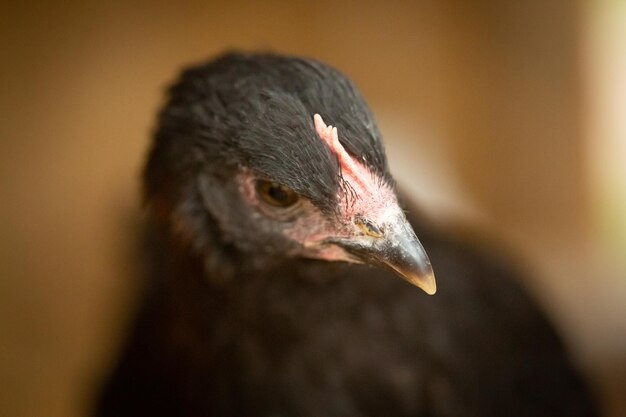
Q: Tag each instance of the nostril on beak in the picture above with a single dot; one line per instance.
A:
(368, 227)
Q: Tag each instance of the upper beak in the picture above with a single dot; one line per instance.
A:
(397, 248)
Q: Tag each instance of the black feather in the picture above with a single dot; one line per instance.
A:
(257, 111)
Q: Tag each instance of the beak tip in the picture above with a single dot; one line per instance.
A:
(425, 283)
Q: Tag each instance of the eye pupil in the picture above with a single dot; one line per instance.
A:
(276, 194)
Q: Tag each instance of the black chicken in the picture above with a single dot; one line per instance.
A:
(251, 195)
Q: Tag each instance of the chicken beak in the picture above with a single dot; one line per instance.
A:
(402, 251)
(397, 248)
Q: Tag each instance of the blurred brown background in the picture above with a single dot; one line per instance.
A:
(509, 115)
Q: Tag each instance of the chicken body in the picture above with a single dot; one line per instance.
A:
(238, 320)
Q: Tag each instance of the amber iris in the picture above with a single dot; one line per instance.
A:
(276, 194)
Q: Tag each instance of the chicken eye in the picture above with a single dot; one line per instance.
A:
(275, 194)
